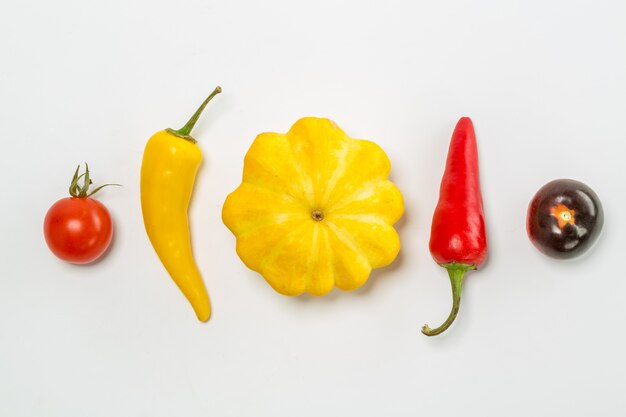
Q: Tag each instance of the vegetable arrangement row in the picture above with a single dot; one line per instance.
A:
(315, 210)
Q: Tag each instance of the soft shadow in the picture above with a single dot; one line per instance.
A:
(389, 269)
(379, 273)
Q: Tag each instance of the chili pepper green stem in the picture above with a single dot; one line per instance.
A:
(185, 131)
(456, 272)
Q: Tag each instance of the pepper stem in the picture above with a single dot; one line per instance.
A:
(185, 131)
(456, 272)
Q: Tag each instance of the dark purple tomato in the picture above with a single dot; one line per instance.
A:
(564, 219)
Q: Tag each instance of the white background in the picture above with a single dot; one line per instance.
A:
(545, 83)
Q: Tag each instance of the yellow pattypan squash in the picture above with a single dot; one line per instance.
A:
(314, 209)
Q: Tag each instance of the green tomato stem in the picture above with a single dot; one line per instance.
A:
(77, 191)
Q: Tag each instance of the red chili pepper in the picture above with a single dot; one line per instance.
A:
(457, 239)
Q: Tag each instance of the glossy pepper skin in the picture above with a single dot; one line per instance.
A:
(458, 240)
(168, 172)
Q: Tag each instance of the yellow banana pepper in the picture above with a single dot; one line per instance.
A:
(168, 172)
(315, 209)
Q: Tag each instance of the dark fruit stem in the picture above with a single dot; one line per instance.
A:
(456, 273)
(185, 131)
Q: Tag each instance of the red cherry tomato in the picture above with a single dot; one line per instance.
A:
(78, 230)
